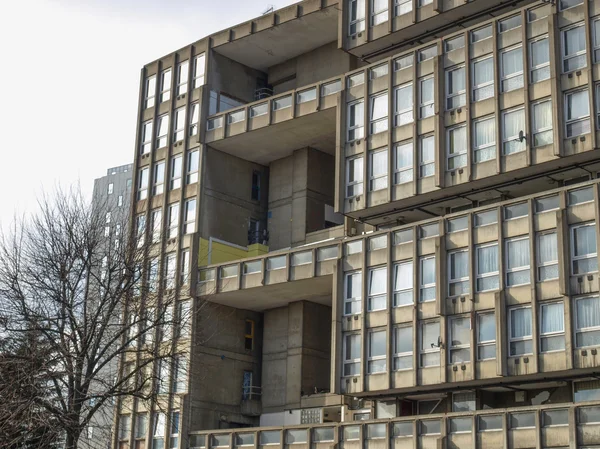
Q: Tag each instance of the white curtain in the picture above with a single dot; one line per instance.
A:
(574, 40)
(458, 140)
(578, 105)
(485, 132)
(483, 71)
(542, 115)
(404, 155)
(553, 318)
(378, 281)
(518, 253)
(520, 322)
(404, 98)
(459, 265)
(585, 240)
(456, 80)
(379, 163)
(512, 61)
(460, 331)
(403, 276)
(540, 52)
(487, 259)
(547, 246)
(513, 123)
(588, 312)
(379, 108)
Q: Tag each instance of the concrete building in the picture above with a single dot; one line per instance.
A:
(387, 211)
(112, 196)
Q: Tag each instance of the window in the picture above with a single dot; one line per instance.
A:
(184, 266)
(162, 131)
(165, 85)
(455, 88)
(214, 123)
(356, 117)
(547, 256)
(486, 336)
(120, 201)
(519, 324)
(194, 118)
(427, 53)
(458, 272)
(553, 418)
(587, 322)
(403, 284)
(357, 16)
(352, 350)
(426, 98)
(170, 269)
(111, 188)
(199, 67)
(537, 13)
(583, 249)
(461, 425)
(259, 109)
(403, 106)
(566, 4)
(403, 236)
(282, 103)
(244, 439)
(173, 220)
(426, 156)
(183, 70)
(542, 123)
(403, 348)
(353, 293)
(430, 344)
(483, 78)
(356, 80)
(573, 48)
(142, 193)
(306, 95)
(378, 170)
(180, 374)
(512, 69)
(427, 279)
(354, 177)
(376, 362)
(489, 422)
(484, 139)
(249, 335)
(354, 247)
(146, 137)
(403, 166)
(458, 224)
(175, 182)
(179, 132)
(377, 295)
(149, 91)
(402, 429)
(481, 33)
(124, 427)
(486, 261)
(429, 230)
(516, 211)
(295, 436)
(276, 263)
(552, 327)
(430, 427)
(486, 218)
(509, 23)
(350, 433)
(517, 261)
(521, 420)
(580, 196)
(189, 217)
(192, 168)
(512, 129)
(539, 60)
(174, 440)
(379, 242)
(379, 11)
(331, 88)
(457, 148)
(454, 43)
(269, 437)
(403, 7)
(379, 113)
(156, 221)
(158, 186)
(375, 431)
(546, 204)
(577, 110)
(403, 62)
(460, 339)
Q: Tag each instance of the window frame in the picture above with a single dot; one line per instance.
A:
(378, 295)
(345, 361)
(358, 130)
(398, 172)
(428, 164)
(423, 351)
(579, 330)
(452, 347)
(518, 339)
(429, 105)
(507, 77)
(199, 78)
(569, 121)
(401, 355)
(359, 21)
(374, 178)
(461, 154)
(354, 299)
(523, 268)
(532, 68)
(399, 112)
(479, 87)
(450, 106)
(485, 147)
(540, 264)
(490, 273)
(508, 139)
(485, 343)
(166, 79)
(396, 292)
(544, 335)
(563, 47)
(357, 182)
(379, 16)
(376, 358)
(423, 286)
(534, 129)
(573, 257)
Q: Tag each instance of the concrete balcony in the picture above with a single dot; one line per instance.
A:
(271, 129)
(557, 425)
(274, 280)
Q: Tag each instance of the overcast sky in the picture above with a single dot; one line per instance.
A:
(69, 72)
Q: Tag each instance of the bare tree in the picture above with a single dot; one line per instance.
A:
(87, 307)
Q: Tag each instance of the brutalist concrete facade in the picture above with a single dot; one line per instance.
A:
(391, 209)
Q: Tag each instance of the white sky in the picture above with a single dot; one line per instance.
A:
(69, 71)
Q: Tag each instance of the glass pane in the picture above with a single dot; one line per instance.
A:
(321, 434)
(402, 429)
(270, 437)
(486, 218)
(461, 425)
(555, 418)
(431, 427)
(519, 420)
(516, 211)
(580, 196)
(458, 224)
(489, 422)
(546, 204)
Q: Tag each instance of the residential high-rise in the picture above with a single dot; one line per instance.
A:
(387, 211)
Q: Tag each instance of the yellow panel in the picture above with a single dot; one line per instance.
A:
(221, 252)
